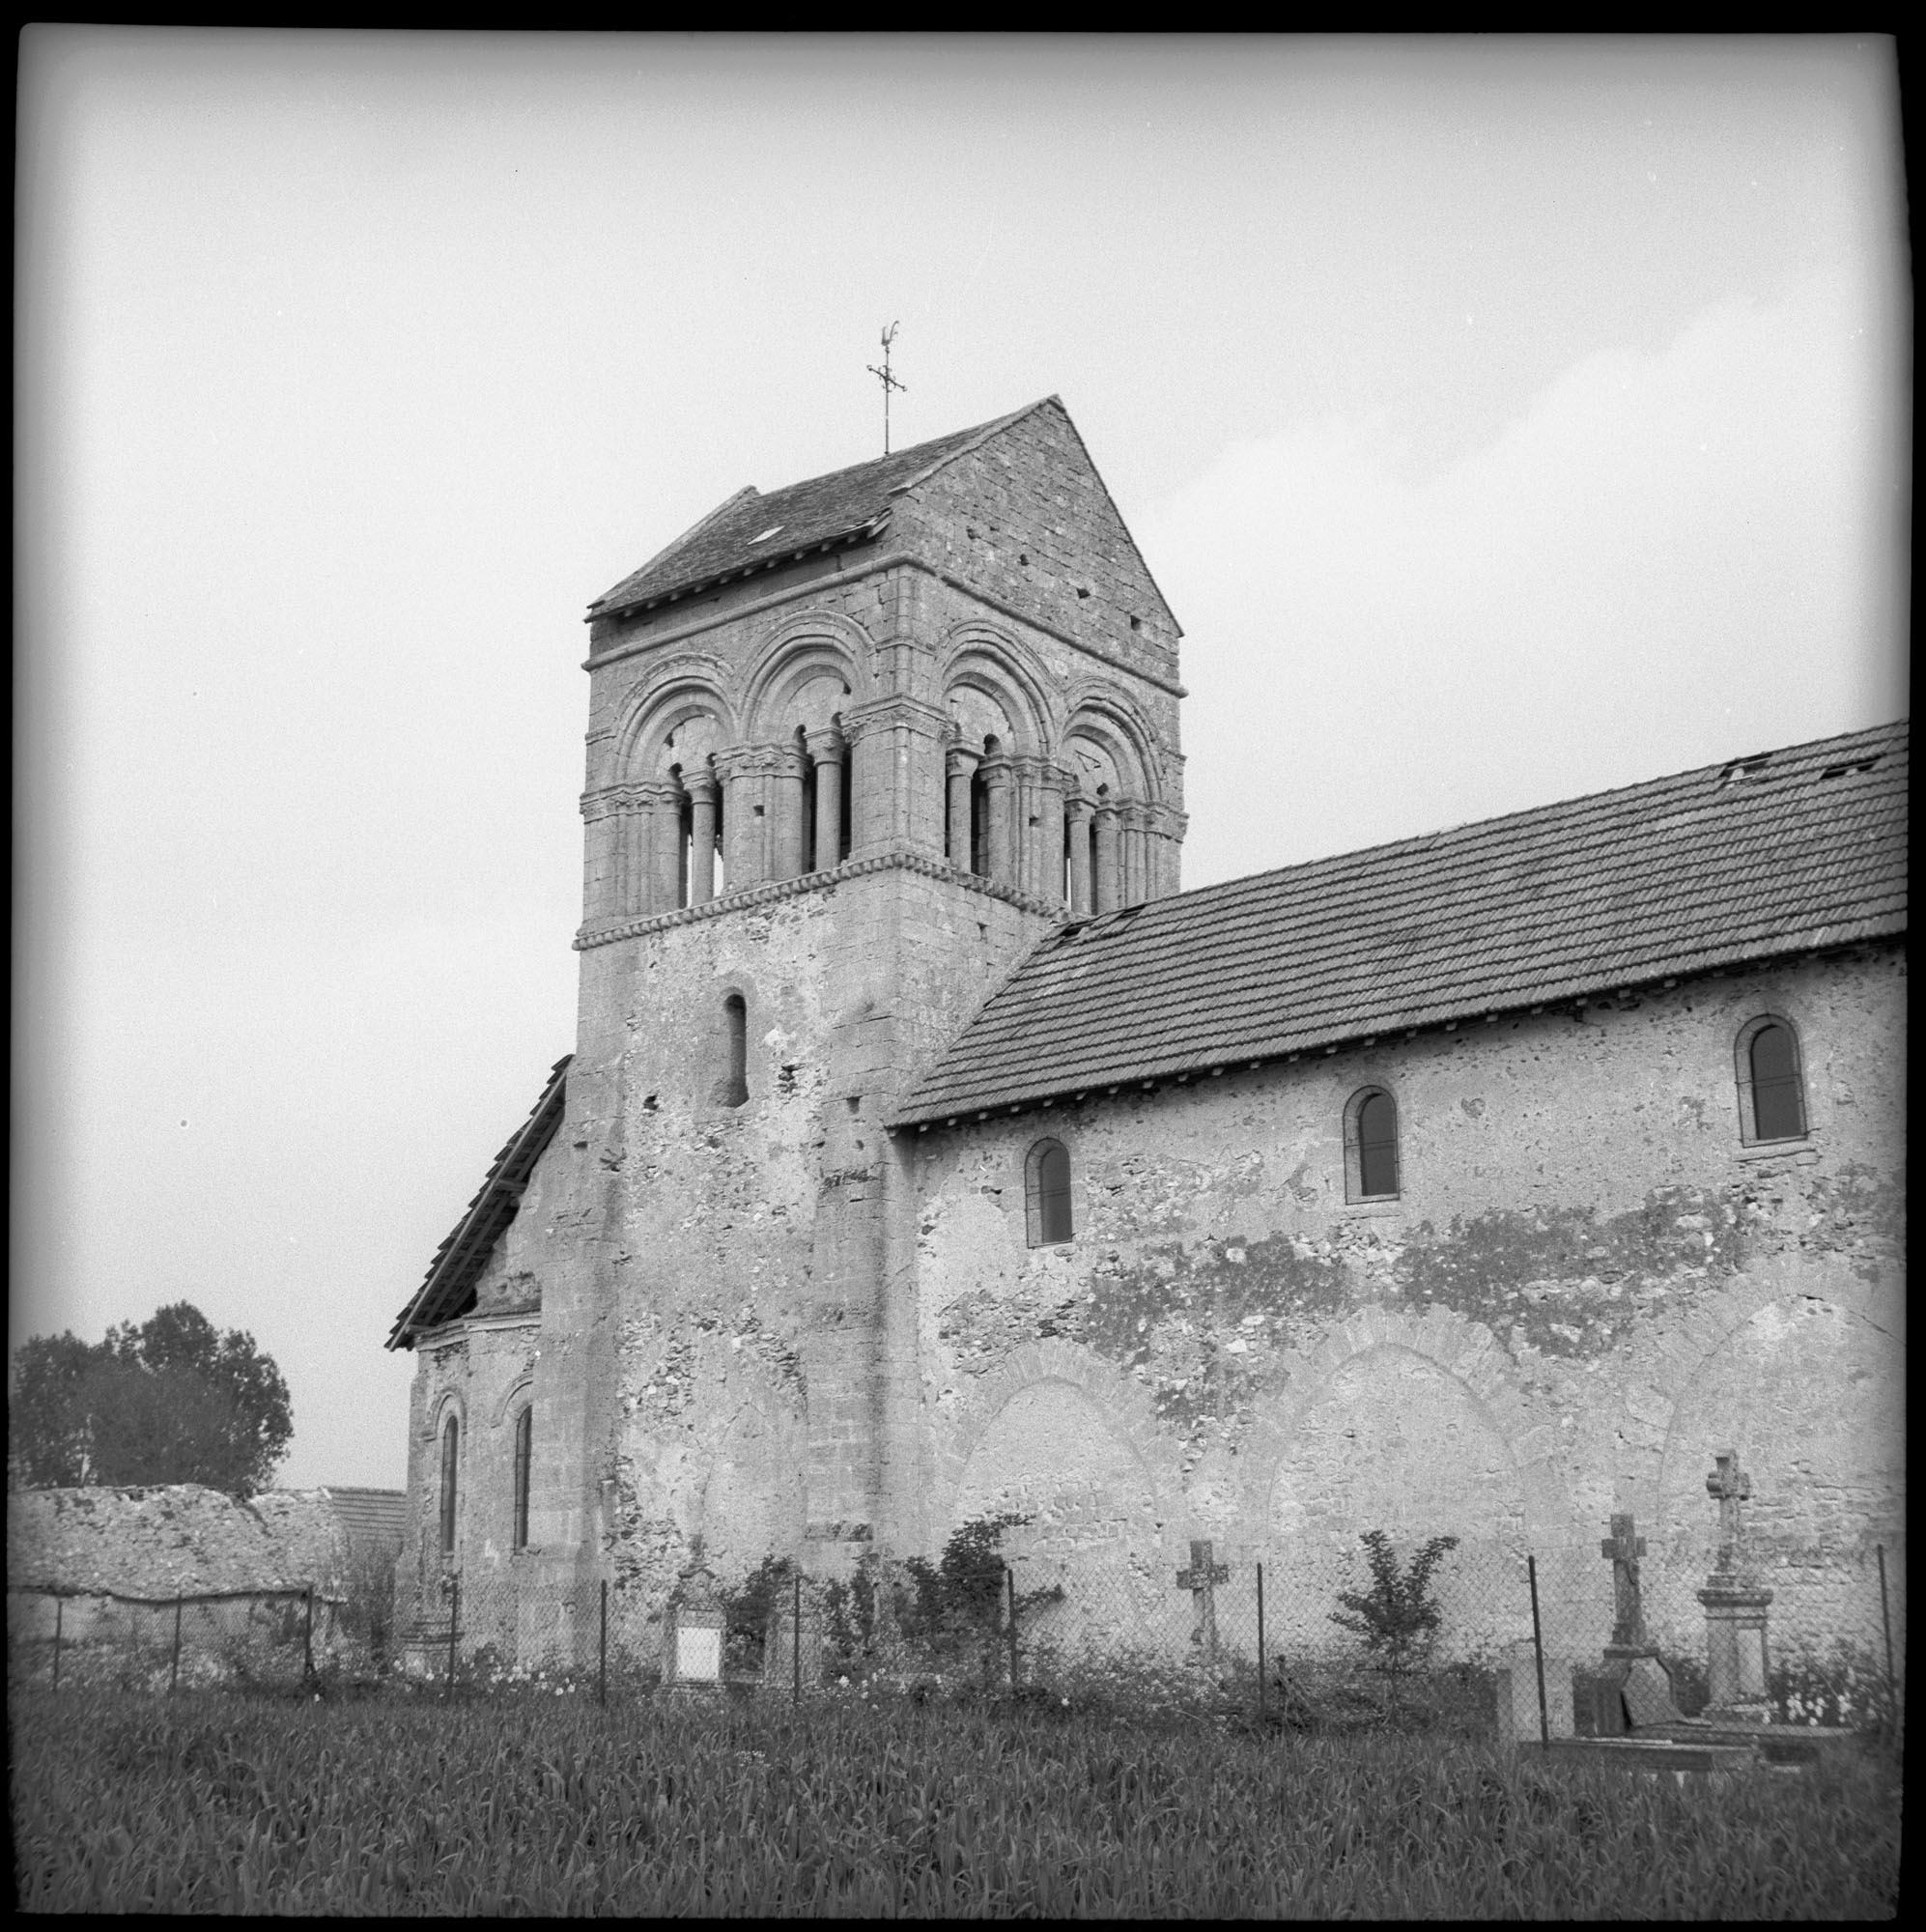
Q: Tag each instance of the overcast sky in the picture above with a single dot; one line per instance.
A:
(1503, 422)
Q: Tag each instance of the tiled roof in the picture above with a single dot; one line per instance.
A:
(1779, 853)
(449, 1289)
(753, 531)
(371, 1516)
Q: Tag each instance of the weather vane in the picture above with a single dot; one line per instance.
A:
(888, 380)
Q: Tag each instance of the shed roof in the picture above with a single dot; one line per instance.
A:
(451, 1286)
(372, 1518)
(1782, 852)
(754, 531)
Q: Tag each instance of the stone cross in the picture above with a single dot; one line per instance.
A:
(1728, 1486)
(1625, 1546)
(1201, 1579)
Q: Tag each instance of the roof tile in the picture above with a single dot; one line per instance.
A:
(752, 529)
(1784, 852)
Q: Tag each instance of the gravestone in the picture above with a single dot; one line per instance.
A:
(693, 1645)
(781, 1671)
(1517, 1699)
(1736, 1662)
(1634, 1687)
(1201, 1579)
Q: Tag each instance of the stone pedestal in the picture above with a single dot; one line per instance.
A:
(1736, 1654)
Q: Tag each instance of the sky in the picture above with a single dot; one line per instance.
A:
(1503, 419)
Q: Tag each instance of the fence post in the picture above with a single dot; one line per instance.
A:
(174, 1672)
(602, 1650)
(307, 1638)
(1886, 1624)
(59, 1604)
(1261, 1643)
(1009, 1576)
(454, 1617)
(1538, 1653)
(796, 1642)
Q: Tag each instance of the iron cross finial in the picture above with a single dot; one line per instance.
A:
(888, 380)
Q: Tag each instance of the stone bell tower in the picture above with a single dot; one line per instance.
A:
(855, 745)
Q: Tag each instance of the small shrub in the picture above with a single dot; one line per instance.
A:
(1398, 1617)
(746, 1611)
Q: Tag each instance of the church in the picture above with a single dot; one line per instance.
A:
(926, 1153)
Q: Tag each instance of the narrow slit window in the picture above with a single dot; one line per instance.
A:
(732, 1090)
(1047, 1194)
(525, 1436)
(1371, 1146)
(451, 1458)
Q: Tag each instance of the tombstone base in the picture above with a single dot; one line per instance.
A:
(1633, 1691)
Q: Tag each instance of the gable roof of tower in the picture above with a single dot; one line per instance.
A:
(1781, 852)
(755, 530)
(450, 1287)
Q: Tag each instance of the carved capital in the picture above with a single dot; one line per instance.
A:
(826, 744)
(997, 773)
(884, 713)
(1077, 810)
(962, 764)
(701, 786)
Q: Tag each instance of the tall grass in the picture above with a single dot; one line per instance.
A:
(212, 1802)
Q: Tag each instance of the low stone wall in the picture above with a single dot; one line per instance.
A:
(174, 1541)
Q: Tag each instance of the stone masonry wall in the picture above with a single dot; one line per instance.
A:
(1586, 1287)
(1026, 519)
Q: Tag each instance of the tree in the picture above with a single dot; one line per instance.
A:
(170, 1401)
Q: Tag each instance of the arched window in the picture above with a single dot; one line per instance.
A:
(732, 1088)
(451, 1456)
(1046, 1194)
(1371, 1146)
(1772, 1088)
(524, 1439)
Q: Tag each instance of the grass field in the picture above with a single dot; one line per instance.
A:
(210, 1802)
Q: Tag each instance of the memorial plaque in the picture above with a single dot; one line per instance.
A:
(699, 1654)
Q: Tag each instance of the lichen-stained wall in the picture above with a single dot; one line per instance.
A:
(1586, 1286)
(740, 1248)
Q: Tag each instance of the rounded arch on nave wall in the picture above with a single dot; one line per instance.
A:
(810, 666)
(1415, 1425)
(685, 701)
(753, 1501)
(1058, 1436)
(992, 686)
(1799, 1366)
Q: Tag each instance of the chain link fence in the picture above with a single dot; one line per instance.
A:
(276, 1638)
(1327, 1635)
